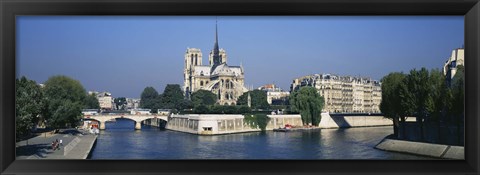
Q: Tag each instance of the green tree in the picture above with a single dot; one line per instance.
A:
(172, 97)
(120, 103)
(458, 103)
(458, 92)
(390, 105)
(257, 120)
(415, 96)
(229, 109)
(203, 97)
(439, 104)
(91, 102)
(29, 103)
(65, 99)
(308, 102)
(149, 99)
(201, 109)
(186, 104)
(244, 109)
(438, 97)
(258, 99)
(421, 96)
(217, 109)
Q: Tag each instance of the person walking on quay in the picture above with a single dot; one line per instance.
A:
(57, 144)
(61, 142)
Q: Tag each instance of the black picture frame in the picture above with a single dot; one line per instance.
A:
(9, 9)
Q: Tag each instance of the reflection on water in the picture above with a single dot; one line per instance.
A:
(121, 141)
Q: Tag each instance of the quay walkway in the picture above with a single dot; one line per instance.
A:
(76, 145)
(423, 149)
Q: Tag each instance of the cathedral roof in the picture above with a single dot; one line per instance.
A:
(223, 69)
(237, 70)
(201, 71)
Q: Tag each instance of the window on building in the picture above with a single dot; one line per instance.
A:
(196, 59)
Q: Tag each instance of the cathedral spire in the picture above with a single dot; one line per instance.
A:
(216, 50)
(216, 34)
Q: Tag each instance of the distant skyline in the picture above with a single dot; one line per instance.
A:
(125, 54)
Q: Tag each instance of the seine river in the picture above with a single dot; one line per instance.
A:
(121, 141)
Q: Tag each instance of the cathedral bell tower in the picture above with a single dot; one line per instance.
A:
(193, 57)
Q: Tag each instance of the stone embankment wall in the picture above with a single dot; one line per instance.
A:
(347, 121)
(208, 124)
(279, 121)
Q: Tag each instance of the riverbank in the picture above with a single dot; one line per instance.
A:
(423, 149)
(77, 144)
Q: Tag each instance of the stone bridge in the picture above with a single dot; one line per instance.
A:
(138, 118)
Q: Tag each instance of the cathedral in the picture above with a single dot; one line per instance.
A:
(218, 77)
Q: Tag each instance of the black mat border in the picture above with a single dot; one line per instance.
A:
(10, 8)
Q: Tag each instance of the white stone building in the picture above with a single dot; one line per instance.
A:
(275, 95)
(344, 94)
(450, 67)
(227, 82)
(105, 100)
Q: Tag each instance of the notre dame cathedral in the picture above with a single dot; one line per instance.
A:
(223, 80)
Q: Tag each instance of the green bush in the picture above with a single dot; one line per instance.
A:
(243, 109)
(258, 120)
(229, 109)
(202, 109)
(216, 109)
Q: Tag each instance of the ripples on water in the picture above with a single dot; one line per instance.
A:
(121, 141)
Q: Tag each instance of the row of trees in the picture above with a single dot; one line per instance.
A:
(424, 95)
(258, 99)
(171, 98)
(306, 101)
(202, 101)
(221, 109)
(58, 104)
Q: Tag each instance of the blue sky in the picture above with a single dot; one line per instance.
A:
(125, 54)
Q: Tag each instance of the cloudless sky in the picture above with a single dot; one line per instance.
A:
(123, 55)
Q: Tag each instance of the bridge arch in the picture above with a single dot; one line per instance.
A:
(137, 118)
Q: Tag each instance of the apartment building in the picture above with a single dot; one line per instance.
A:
(344, 94)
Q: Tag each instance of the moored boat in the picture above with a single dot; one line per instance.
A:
(281, 130)
(284, 129)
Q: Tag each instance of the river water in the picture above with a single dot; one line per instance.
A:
(121, 141)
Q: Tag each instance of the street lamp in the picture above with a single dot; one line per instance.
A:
(45, 124)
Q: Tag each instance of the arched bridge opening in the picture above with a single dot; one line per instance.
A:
(138, 119)
(155, 122)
